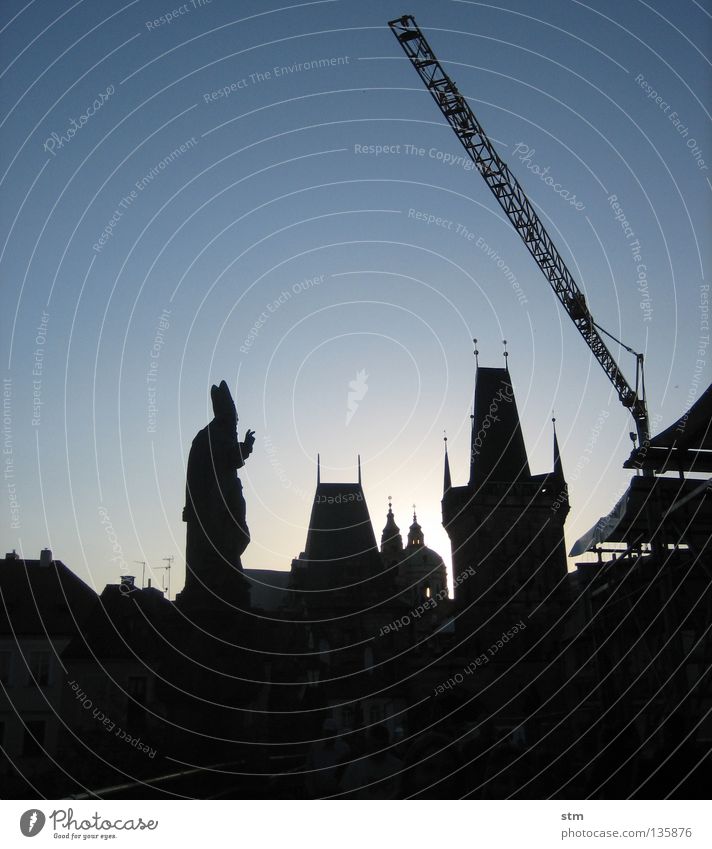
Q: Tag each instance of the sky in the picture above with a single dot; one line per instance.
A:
(265, 193)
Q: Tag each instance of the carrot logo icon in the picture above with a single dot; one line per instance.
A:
(32, 822)
(357, 390)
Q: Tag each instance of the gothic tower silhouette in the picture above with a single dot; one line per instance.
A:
(506, 524)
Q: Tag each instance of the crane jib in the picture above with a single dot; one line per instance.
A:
(516, 206)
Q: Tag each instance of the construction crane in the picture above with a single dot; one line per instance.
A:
(521, 213)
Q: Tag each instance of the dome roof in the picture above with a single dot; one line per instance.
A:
(419, 556)
(391, 529)
(391, 539)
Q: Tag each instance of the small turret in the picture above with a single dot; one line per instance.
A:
(447, 480)
(558, 466)
(391, 539)
(415, 534)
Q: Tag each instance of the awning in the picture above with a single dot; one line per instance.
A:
(602, 530)
(674, 510)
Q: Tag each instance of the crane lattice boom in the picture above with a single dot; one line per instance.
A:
(518, 209)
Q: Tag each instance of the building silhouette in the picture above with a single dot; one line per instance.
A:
(356, 672)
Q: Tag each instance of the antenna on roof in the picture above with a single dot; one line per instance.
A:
(142, 564)
(318, 469)
(359, 468)
(169, 560)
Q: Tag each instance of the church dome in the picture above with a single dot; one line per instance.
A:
(420, 566)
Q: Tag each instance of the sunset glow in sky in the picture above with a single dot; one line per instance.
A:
(268, 195)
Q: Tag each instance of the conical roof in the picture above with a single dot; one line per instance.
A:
(498, 452)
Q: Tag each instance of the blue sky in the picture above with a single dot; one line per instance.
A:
(252, 232)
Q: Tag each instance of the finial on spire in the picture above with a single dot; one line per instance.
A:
(318, 469)
(414, 516)
(390, 504)
(477, 354)
(506, 353)
(359, 467)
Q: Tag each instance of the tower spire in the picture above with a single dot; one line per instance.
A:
(318, 469)
(497, 450)
(447, 481)
(391, 539)
(415, 534)
(558, 465)
(359, 467)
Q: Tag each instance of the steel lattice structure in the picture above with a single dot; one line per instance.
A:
(518, 209)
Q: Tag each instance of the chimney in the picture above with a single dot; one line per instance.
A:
(46, 557)
(127, 584)
(12, 555)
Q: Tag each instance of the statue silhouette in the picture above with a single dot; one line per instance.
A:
(215, 509)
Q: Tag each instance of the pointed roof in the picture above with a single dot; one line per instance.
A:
(415, 534)
(391, 528)
(498, 452)
(558, 465)
(340, 525)
(391, 532)
(44, 599)
(447, 480)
